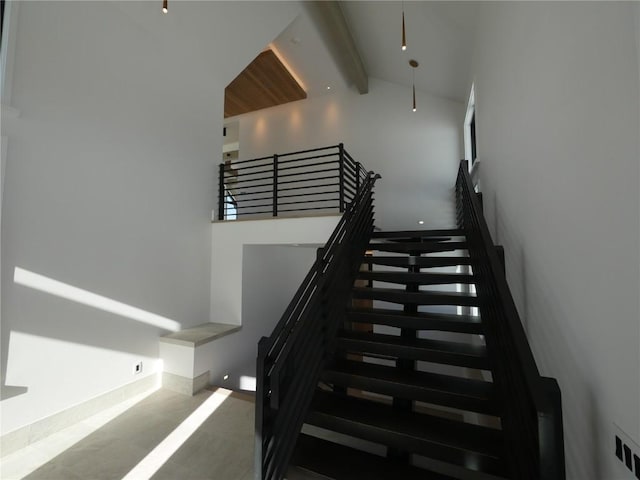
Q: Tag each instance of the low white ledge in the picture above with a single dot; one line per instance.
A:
(199, 335)
(188, 356)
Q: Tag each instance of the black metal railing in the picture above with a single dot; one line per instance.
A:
(532, 418)
(321, 179)
(291, 359)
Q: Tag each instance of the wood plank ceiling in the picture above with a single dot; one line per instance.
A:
(265, 82)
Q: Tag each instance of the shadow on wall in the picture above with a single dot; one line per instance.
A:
(271, 274)
(555, 356)
(103, 321)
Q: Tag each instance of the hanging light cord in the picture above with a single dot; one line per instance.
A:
(404, 35)
(414, 64)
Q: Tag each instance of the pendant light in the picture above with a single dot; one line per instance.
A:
(414, 64)
(165, 6)
(404, 35)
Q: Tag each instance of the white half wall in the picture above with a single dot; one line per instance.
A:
(557, 92)
(110, 183)
(227, 256)
(417, 154)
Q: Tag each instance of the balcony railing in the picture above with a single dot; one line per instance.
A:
(321, 180)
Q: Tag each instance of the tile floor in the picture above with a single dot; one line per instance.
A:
(111, 444)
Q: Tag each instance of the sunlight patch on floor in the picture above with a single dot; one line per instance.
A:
(165, 449)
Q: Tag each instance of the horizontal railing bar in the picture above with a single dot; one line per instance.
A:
(243, 173)
(327, 192)
(304, 159)
(260, 159)
(306, 165)
(317, 178)
(254, 213)
(308, 201)
(252, 193)
(332, 184)
(307, 151)
(297, 174)
(241, 182)
(307, 209)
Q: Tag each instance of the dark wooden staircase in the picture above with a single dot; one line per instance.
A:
(408, 393)
(402, 356)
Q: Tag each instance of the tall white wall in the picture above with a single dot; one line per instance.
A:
(110, 183)
(417, 154)
(557, 95)
(263, 267)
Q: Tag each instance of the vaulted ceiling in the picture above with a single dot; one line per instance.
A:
(439, 37)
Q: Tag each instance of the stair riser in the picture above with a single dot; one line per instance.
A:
(418, 279)
(417, 324)
(422, 298)
(412, 353)
(419, 233)
(422, 262)
(426, 247)
(410, 392)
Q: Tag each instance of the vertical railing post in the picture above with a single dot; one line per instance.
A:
(341, 170)
(221, 195)
(275, 184)
(358, 167)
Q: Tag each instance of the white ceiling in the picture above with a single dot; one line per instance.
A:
(307, 56)
(438, 36)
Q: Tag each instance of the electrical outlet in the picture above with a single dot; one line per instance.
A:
(626, 450)
(137, 368)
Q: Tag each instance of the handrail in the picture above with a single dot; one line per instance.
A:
(242, 183)
(290, 360)
(532, 420)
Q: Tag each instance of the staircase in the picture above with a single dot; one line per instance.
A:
(402, 356)
(408, 393)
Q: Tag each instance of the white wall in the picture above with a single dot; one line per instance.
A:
(229, 240)
(417, 154)
(557, 97)
(110, 182)
(263, 266)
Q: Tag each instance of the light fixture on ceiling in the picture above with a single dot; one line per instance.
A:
(165, 6)
(404, 35)
(414, 64)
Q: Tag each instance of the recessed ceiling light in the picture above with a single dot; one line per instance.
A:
(420, 222)
(225, 377)
(328, 87)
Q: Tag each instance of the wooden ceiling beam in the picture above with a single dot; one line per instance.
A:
(331, 23)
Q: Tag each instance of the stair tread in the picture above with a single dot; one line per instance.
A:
(423, 297)
(427, 380)
(423, 262)
(438, 351)
(466, 444)
(423, 247)
(422, 278)
(454, 232)
(340, 462)
(457, 392)
(417, 321)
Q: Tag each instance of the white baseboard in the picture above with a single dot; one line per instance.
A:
(24, 436)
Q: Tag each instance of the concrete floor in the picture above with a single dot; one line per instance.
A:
(163, 435)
